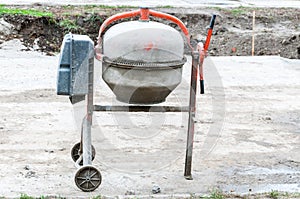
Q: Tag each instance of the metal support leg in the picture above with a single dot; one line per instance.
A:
(87, 122)
(87, 142)
(192, 110)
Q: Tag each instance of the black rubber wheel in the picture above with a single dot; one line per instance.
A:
(88, 178)
(76, 153)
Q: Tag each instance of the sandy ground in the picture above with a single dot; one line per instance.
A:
(246, 140)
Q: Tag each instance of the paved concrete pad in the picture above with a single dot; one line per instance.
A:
(246, 141)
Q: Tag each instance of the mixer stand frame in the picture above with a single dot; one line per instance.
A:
(88, 178)
(86, 143)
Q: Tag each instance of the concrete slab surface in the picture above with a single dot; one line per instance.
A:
(247, 137)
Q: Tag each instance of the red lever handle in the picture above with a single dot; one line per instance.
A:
(203, 50)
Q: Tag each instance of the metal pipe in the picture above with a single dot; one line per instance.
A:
(87, 122)
(191, 122)
(87, 143)
(78, 162)
(117, 17)
(171, 18)
(141, 108)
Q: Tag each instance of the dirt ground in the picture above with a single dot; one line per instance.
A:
(277, 30)
(247, 138)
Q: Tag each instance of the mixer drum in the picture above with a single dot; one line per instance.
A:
(143, 61)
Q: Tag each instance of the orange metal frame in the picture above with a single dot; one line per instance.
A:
(144, 14)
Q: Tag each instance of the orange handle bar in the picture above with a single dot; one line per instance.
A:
(144, 13)
(171, 18)
(116, 17)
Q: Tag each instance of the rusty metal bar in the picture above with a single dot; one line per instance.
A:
(141, 108)
(86, 139)
(192, 110)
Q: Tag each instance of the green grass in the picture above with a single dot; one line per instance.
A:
(68, 14)
(94, 17)
(96, 197)
(30, 12)
(68, 7)
(68, 25)
(274, 194)
(217, 8)
(25, 196)
(166, 6)
(88, 7)
(107, 6)
(215, 194)
(295, 195)
(238, 11)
